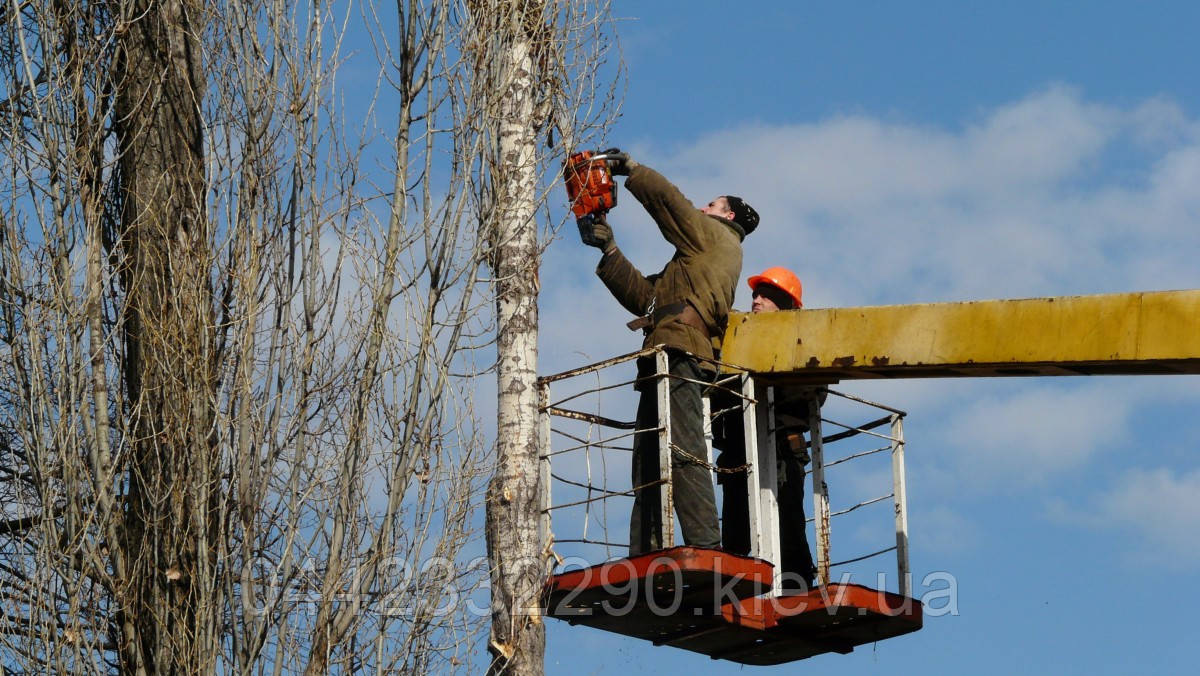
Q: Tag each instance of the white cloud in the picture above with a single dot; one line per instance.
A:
(1031, 434)
(1049, 195)
(1162, 507)
(1160, 123)
(1154, 514)
(942, 530)
(1037, 142)
(970, 438)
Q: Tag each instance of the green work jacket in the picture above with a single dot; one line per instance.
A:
(703, 272)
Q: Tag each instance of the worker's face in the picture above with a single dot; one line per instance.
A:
(718, 207)
(769, 298)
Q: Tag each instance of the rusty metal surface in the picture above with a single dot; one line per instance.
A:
(833, 618)
(669, 597)
(583, 370)
(1128, 333)
(590, 418)
(710, 602)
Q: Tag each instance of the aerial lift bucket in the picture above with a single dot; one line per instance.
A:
(714, 603)
(725, 605)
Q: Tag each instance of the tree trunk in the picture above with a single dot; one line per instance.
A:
(516, 546)
(168, 364)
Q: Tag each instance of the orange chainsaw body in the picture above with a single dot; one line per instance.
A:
(590, 185)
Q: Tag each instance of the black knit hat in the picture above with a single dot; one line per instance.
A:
(743, 214)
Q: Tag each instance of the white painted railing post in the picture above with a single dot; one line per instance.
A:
(667, 520)
(768, 486)
(900, 502)
(819, 489)
(544, 462)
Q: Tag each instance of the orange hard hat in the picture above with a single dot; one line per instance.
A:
(781, 278)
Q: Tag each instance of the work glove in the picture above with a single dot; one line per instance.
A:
(619, 163)
(594, 231)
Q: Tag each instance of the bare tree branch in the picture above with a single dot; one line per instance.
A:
(247, 271)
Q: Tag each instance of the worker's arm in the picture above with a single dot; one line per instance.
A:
(681, 223)
(629, 286)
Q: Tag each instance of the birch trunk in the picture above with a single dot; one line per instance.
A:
(516, 545)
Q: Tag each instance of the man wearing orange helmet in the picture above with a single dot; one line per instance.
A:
(682, 307)
(774, 289)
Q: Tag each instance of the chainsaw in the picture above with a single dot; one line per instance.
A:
(590, 189)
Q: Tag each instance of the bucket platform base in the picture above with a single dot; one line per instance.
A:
(711, 602)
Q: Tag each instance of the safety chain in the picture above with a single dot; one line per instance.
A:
(683, 455)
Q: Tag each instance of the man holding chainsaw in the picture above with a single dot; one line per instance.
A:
(684, 307)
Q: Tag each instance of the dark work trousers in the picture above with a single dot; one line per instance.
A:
(796, 562)
(692, 487)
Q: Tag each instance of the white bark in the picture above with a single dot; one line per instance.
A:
(515, 543)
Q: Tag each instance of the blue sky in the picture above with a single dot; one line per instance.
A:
(935, 151)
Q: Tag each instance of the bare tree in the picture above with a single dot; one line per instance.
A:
(239, 338)
(536, 69)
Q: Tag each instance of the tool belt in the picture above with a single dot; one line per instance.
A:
(684, 312)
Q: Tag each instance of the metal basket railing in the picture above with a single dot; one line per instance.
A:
(585, 458)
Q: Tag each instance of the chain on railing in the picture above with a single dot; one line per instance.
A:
(581, 446)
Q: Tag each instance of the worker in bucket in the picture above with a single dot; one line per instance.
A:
(685, 308)
(776, 288)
